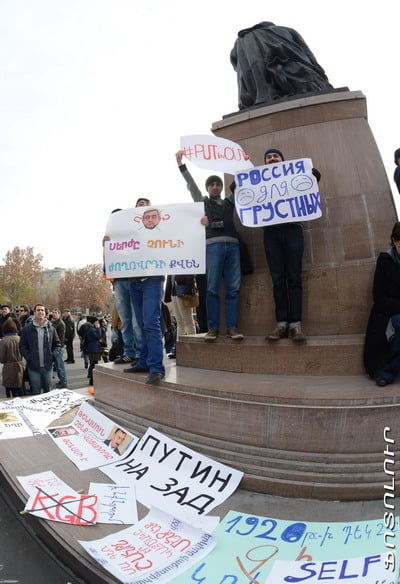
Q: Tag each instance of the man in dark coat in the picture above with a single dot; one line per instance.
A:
(69, 334)
(39, 345)
(382, 341)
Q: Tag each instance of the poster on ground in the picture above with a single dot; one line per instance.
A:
(170, 476)
(92, 439)
(249, 545)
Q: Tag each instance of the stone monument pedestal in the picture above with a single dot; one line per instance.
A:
(299, 421)
(357, 205)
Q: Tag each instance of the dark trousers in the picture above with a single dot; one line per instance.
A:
(284, 247)
(201, 310)
(391, 369)
(70, 349)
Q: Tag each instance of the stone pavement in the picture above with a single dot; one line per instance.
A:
(16, 540)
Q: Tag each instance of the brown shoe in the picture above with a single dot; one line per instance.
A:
(297, 335)
(211, 335)
(280, 332)
(234, 334)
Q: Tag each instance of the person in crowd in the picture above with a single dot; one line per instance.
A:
(24, 314)
(178, 288)
(284, 248)
(59, 325)
(382, 339)
(92, 344)
(222, 253)
(117, 344)
(396, 175)
(6, 313)
(10, 356)
(116, 440)
(80, 329)
(39, 346)
(168, 330)
(201, 309)
(103, 340)
(69, 335)
(130, 330)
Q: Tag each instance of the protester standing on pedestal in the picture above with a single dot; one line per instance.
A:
(222, 253)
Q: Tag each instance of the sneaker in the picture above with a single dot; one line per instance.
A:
(211, 335)
(61, 386)
(382, 382)
(124, 360)
(154, 378)
(297, 335)
(234, 334)
(136, 369)
(280, 332)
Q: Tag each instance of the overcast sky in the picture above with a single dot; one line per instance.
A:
(95, 95)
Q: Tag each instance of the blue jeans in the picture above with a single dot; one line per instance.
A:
(60, 367)
(130, 329)
(40, 380)
(391, 369)
(284, 247)
(223, 262)
(146, 297)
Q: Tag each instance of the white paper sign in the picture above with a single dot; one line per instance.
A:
(46, 480)
(156, 550)
(282, 192)
(29, 416)
(116, 503)
(62, 504)
(172, 477)
(215, 153)
(155, 241)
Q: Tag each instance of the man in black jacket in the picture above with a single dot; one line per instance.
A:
(69, 334)
(222, 253)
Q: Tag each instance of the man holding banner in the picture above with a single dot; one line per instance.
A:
(284, 247)
(222, 253)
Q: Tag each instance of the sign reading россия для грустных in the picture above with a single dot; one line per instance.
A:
(282, 192)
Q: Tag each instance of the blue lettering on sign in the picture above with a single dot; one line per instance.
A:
(293, 207)
(258, 175)
(185, 264)
(341, 569)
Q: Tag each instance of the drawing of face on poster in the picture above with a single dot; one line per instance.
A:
(152, 219)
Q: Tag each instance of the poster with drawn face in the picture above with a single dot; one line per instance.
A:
(155, 240)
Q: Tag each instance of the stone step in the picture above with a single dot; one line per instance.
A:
(303, 436)
(319, 355)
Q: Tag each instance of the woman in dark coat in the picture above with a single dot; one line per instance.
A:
(10, 355)
(382, 341)
(92, 343)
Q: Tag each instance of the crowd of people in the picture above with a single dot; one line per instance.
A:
(32, 344)
(143, 328)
